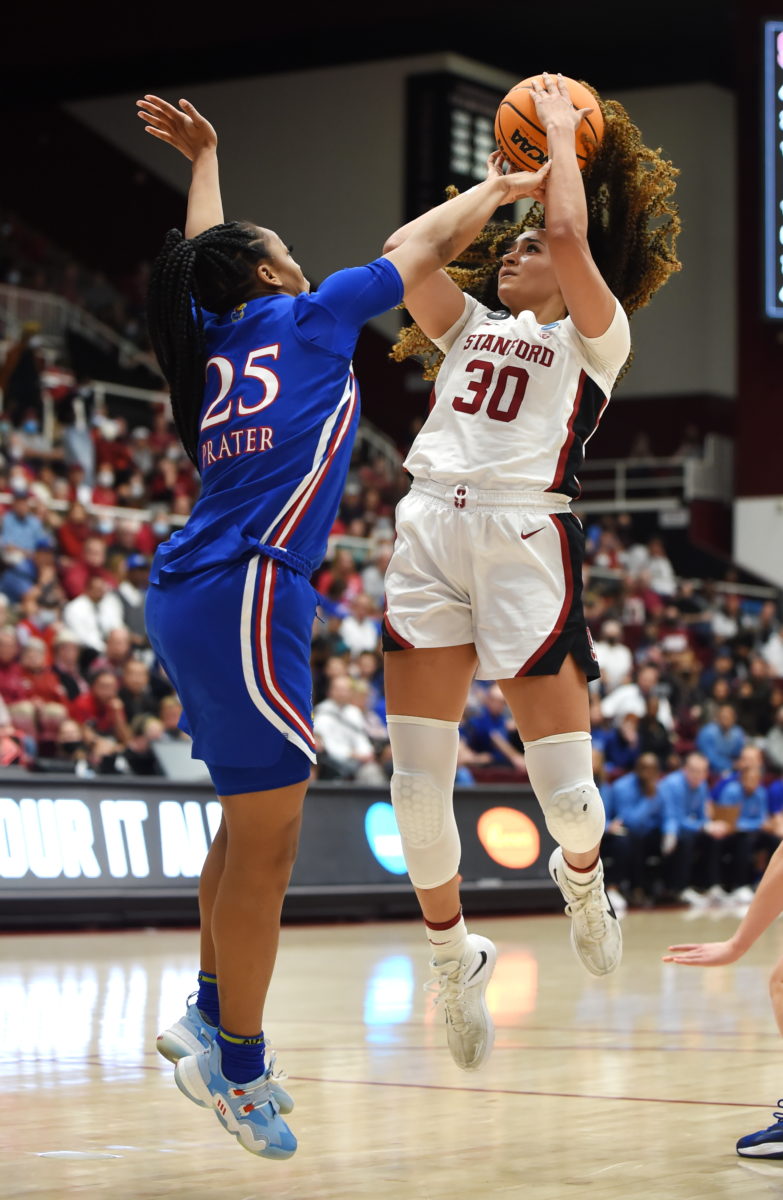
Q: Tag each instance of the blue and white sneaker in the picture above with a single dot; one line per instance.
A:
(767, 1143)
(192, 1034)
(248, 1111)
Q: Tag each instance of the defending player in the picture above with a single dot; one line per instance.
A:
(766, 905)
(486, 571)
(230, 606)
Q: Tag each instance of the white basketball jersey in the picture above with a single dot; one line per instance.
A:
(515, 402)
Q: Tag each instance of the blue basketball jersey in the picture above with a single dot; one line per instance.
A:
(278, 421)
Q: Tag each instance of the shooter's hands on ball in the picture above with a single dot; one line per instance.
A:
(522, 184)
(183, 127)
(704, 954)
(554, 106)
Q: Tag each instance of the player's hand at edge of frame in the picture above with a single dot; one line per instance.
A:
(184, 128)
(522, 184)
(703, 954)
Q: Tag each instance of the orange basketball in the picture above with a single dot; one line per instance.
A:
(521, 138)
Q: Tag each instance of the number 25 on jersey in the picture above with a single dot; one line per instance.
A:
(266, 377)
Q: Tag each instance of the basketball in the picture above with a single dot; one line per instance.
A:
(521, 138)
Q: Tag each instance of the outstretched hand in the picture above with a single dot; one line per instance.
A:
(703, 954)
(521, 184)
(183, 127)
(554, 106)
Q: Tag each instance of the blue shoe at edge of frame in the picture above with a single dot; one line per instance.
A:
(766, 1143)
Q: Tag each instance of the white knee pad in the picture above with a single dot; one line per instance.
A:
(424, 753)
(560, 769)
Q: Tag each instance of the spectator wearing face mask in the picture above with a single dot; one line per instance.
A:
(112, 447)
(37, 621)
(614, 658)
(135, 691)
(69, 753)
(160, 528)
(139, 754)
(104, 491)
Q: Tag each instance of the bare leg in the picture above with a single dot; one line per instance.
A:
(543, 705)
(431, 683)
(207, 889)
(262, 835)
(776, 992)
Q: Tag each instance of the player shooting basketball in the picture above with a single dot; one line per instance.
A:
(486, 575)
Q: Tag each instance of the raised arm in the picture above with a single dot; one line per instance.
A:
(186, 130)
(589, 301)
(767, 904)
(431, 297)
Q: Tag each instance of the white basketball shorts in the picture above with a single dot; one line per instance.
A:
(501, 570)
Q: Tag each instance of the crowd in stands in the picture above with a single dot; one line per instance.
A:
(687, 718)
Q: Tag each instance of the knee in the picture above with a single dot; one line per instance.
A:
(283, 849)
(428, 830)
(575, 816)
(560, 768)
(424, 753)
(265, 858)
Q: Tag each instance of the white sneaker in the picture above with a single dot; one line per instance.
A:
(617, 901)
(693, 898)
(742, 895)
(460, 987)
(718, 896)
(595, 930)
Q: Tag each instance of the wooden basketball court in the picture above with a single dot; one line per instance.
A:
(638, 1085)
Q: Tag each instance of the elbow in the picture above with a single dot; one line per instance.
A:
(393, 242)
(566, 231)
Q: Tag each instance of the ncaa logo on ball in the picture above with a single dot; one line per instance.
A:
(533, 152)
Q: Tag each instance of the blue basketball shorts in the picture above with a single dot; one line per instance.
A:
(235, 642)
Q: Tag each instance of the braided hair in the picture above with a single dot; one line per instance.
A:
(215, 271)
(633, 226)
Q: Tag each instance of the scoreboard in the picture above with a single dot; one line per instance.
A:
(450, 132)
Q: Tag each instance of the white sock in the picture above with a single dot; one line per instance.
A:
(448, 945)
(580, 878)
